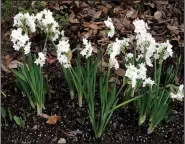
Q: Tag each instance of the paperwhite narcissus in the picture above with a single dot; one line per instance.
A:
(20, 40)
(47, 23)
(148, 81)
(147, 46)
(62, 49)
(41, 59)
(25, 19)
(87, 51)
(110, 25)
(180, 93)
(114, 49)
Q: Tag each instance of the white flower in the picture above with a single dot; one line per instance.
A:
(139, 56)
(128, 56)
(166, 48)
(140, 26)
(27, 48)
(145, 42)
(113, 63)
(179, 95)
(64, 61)
(47, 23)
(132, 74)
(63, 47)
(62, 33)
(87, 51)
(141, 72)
(110, 25)
(114, 49)
(20, 40)
(21, 20)
(148, 81)
(41, 59)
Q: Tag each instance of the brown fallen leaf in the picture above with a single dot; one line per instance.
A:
(134, 15)
(117, 10)
(14, 64)
(94, 31)
(94, 26)
(54, 5)
(120, 72)
(118, 24)
(50, 59)
(86, 24)
(7, 59)
(4, 68)
(53, 119)
(97, 14)
(44, 116)
(126, 22)
(157, 15)
(95, 50)
(69, 56)
(85, 35)
(113, 79)
(74, 20)
(129, 14)
(174, 29)
(104, 9)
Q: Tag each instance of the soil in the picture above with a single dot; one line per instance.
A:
(122, 128)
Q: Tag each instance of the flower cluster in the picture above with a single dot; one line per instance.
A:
(87, 51)
(47, 23)
(180, 93)
(20, 40)
(110, 25)
(41, 59)
(22, 20)
(25, 22)
(114, 49)
(19, 36)
(134, 74)
(62, 49)
(147, 45)
(164, 49)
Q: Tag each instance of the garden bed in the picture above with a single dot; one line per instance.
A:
(75, 126)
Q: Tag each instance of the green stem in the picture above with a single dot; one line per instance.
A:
(142, 119)
(159, 77)
(39, 109)
(72, 94)
(128, 101)
(44, 50)
(150, 129)
(80, 100)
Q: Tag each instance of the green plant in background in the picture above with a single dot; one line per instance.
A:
(69, 80)
(6, 112)
(31, 82)
(81, 77)
(162, 99)
(6, 6)
(108, 99)
(19, 121)
(3, 114)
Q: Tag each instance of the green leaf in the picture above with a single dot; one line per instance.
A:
(19, 121)
(18, 75)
